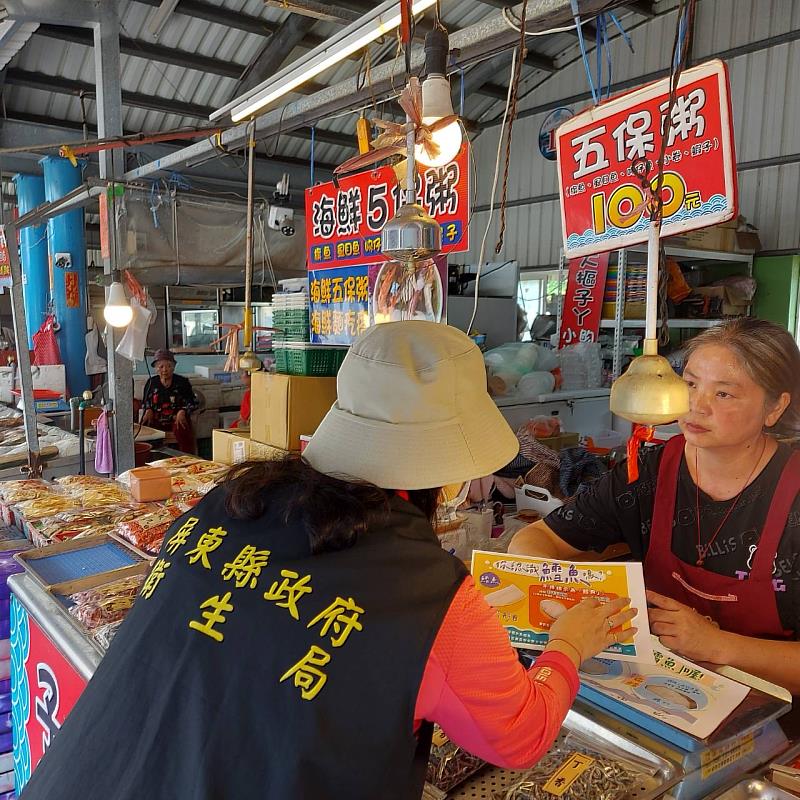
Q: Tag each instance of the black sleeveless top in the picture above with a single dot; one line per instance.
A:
(250, 668)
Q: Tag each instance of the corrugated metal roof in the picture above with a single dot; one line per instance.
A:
(168, 83)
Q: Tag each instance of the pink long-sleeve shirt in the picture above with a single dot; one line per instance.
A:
(475, 688)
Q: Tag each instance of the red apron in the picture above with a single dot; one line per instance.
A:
(747, 607)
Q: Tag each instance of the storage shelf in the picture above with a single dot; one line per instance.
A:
(552, 397)
(673, 323)
(687, 254)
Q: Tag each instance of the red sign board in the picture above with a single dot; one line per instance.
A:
(601, 197)
(46, 688)
(5, 261)
(583, 300)
(344, 220)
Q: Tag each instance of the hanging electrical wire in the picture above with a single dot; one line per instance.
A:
(482, 254)
(512, 114)
(680, 54)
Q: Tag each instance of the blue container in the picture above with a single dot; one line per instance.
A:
(67, 249)
(33, 254)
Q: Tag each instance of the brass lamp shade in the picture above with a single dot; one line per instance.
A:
(650, 393)
(411, 234)
(249, 361)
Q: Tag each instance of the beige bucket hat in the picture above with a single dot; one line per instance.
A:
(412, 412)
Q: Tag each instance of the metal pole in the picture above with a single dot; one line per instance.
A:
(248, 264)
(23, 354)
(109, 123)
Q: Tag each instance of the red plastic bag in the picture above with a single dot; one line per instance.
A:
(45, 345)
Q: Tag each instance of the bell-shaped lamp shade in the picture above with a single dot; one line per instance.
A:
(250, 362)
(117, 312)
(436, 104)
(650, 393)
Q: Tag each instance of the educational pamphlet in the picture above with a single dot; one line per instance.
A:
(531, 593)
(673, 690)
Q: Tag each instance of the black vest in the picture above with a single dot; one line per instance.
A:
(213, 689)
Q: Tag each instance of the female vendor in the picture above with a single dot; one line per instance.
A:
(715, 513)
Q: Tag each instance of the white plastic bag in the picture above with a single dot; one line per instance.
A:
(134, 341)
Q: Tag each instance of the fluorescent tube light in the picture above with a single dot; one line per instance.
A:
(382, 20)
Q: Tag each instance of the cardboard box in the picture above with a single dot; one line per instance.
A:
(727, 309)
(735, 236)
(286, 406)
(233, 447)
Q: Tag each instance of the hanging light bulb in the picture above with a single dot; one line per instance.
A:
(117, 312)
(437, 102)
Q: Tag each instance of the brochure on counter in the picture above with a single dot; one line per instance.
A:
(672, 691)
(530, 594)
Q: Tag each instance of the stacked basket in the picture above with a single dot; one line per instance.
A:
(294, 353)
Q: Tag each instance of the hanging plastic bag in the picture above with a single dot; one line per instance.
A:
(134, 341)
(94, 363)
(45, 345)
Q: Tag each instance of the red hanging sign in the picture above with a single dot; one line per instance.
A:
(583, 300)
(5, 260)
(344, 220)
(602, 201)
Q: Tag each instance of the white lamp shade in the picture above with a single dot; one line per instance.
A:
(436, 104)
(117, 312)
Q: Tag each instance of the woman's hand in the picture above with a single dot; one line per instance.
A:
(147, 417)
(684, 631)
(182, 419)
(591, 626)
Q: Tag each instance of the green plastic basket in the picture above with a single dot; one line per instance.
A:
(310, 360)
(291, 332)
(298, 316)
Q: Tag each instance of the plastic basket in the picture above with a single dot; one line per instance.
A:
(308, 359)
(295, 316)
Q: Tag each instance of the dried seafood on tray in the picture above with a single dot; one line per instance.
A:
(107, 603)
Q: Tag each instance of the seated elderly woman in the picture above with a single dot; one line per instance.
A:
(169, 400)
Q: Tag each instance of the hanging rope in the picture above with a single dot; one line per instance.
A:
(512, 115)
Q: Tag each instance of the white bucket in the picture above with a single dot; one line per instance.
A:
(536, 499)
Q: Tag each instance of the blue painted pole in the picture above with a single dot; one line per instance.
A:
(67, 250)
(33, 252)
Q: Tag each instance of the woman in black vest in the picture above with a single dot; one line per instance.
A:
(302, 627)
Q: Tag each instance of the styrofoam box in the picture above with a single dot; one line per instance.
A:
(205, 422)
(6, 763)
(7, 781)
(232, 396)
(227, 418)
(211, 392)
(5, 649)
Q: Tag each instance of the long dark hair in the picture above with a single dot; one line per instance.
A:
(334, 512)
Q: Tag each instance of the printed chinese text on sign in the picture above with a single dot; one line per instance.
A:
(344, 221)
(601, 198)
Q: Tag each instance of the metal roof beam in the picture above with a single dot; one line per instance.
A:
(148, 50)
(321, 11)
(35, 131)
(165, 55)
(487, 37)
(199, 9)
(274, 52)
(539, 61)
(51, 83)
(645, 8)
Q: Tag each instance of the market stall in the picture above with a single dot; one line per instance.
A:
(582, 268)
